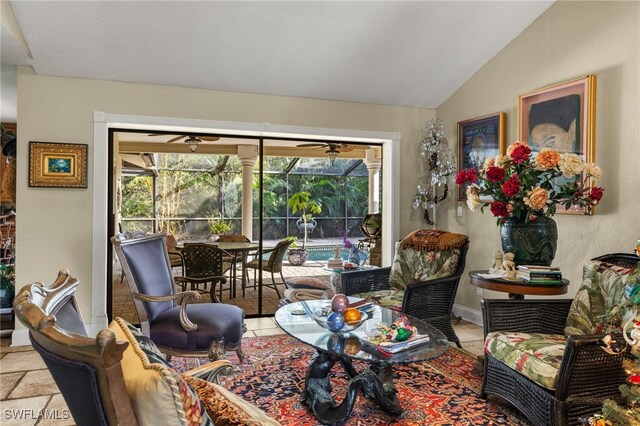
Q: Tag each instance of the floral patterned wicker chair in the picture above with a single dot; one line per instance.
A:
(423, 280)
(545, 357)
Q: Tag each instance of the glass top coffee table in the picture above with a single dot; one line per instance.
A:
(376, 380)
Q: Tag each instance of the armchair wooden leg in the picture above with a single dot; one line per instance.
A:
(240, 354)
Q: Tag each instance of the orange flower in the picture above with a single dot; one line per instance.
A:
(547, 158)
(536, 198)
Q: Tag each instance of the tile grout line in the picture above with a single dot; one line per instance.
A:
(6, 398)
(44, 409)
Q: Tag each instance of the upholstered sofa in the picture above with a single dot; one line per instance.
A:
(547, 357)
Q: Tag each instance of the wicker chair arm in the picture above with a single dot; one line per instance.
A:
(183, 298)
(357, 282)
(589, 373)
(212, 371)
(529, 316)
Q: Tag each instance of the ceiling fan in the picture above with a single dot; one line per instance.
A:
(191, 140)
(333, 149)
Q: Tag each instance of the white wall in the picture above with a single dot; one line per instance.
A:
(570, 40)
(54, 228)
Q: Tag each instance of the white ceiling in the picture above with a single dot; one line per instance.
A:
(387, 52)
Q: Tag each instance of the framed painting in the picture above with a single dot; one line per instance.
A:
(561, 117)
(57, 165)
(478, 139)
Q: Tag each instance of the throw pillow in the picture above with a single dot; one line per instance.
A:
(307, 282)
(158, 393)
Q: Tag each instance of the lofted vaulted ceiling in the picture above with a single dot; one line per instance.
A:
(414, 53)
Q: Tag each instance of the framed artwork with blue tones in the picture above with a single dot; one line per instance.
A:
(57, 165)
(480, 138)
(561, 117)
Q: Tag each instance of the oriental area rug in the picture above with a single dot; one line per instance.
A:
(440, 392)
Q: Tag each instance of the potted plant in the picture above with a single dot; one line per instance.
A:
(218, 226)
(303, 202)
(295, 255)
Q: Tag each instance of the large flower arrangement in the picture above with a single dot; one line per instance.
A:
(524, 187)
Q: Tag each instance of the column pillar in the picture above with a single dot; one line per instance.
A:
(373, 166)
(248, 155)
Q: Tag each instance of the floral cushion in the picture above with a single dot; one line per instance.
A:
(534, 355)
(595, 302)
(390, 299)
(411, 265)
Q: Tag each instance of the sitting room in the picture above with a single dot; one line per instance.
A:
(495, 144)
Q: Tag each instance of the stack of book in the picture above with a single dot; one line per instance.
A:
(535, 274)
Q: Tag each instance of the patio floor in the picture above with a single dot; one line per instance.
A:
(123, 303)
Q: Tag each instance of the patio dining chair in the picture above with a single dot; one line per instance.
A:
(175, 257)
(273, 264)
(205, 264)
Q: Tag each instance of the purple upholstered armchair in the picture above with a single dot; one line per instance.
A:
(187, 330)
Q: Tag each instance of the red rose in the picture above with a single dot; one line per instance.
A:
(596, 194)
(499, 209)
(520, 153)
(511, 186)
(466, 175)
(472, 176)
(495, 174)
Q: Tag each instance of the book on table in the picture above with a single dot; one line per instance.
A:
(395, 347)
(540, 277)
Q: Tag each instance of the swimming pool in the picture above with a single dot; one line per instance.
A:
(324, 253)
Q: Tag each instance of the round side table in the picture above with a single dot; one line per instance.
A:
(518, 288)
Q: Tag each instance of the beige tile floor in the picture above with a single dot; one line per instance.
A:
(27, 388)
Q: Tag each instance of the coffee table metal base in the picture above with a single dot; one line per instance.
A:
(375, 381)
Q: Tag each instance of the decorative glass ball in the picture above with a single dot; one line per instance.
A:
(339, 303)
(335, 321)
(352, 315)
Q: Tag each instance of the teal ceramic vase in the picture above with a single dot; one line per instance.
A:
(7, 292)
(532, 243)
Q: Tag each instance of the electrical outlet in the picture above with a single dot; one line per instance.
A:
(459, 210)
(479, 291)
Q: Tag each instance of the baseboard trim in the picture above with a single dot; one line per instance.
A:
(468, 314)
(20, 338)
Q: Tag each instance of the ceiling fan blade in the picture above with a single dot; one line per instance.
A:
(157, 134)
(175, 139)
(311, 145)
(209, 138)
